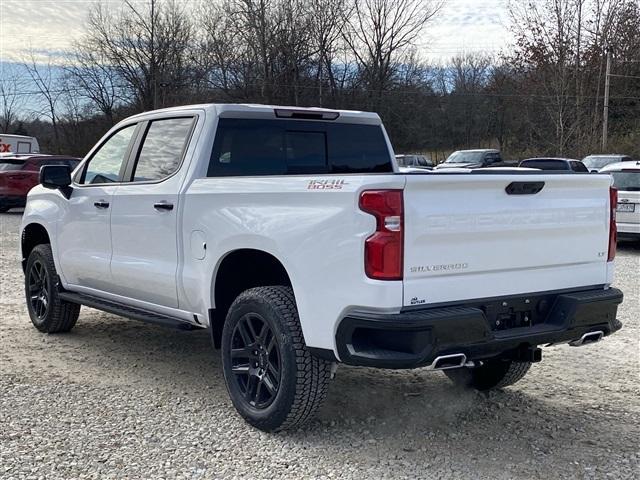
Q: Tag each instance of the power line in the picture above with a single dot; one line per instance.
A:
(355, 89)
(623, 76)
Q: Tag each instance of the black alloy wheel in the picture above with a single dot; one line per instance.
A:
(39, 289)
(255, 360)
(274, 382)
(48, 312)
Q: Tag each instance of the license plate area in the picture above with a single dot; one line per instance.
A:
(626, 207)
(522, 312)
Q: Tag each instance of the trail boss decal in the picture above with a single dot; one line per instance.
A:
(326, 184)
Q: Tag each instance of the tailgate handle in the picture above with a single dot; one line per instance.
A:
(524, 188)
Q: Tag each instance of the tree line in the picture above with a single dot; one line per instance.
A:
(542, 96)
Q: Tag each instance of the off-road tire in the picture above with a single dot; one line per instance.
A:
(60, 316)
(493, 374)
(303, 378)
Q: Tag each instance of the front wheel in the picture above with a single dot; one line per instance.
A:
(273, 380)
(48, 312)
(491, 375)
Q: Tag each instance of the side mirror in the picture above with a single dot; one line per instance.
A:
(56, 177)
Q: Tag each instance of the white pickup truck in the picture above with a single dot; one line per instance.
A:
(291, 234)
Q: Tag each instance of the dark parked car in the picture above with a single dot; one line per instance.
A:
(19, 174)
(564, 164)
(417, 161)
(475, 159)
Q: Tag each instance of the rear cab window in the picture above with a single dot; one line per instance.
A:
(545, 164)
(627, 180)
(252, 147)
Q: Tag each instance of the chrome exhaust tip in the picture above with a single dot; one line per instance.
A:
(445, 362)
(589, 337)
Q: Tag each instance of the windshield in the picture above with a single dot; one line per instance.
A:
(6, 165)
(626, 181)
(599, 162)
(465, 157)
(405, 161)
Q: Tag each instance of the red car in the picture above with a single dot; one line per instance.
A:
(19, 174)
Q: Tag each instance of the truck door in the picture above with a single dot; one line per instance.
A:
(144, 218)
(84, 235)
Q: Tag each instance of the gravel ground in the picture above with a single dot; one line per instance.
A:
(119, 399)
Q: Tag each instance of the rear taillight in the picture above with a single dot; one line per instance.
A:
(613, 234)
(383, 250)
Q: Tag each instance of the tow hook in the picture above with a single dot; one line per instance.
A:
(527, 354)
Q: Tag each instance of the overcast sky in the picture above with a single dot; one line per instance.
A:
(49, 26)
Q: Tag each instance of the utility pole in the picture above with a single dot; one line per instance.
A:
(605, 114)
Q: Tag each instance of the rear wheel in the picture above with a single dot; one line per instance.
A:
(48, 312)
(491, 375)
(272, 379)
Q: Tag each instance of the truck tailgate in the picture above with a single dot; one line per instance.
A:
(467, 238)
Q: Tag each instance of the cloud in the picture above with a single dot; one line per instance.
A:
(467, 26)
(49, 27)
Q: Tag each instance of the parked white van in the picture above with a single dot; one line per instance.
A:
(18, 144)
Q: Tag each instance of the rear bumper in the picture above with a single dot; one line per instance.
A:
(628, 229)
(479, 329)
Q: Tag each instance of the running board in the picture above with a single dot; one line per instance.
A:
(126, 310)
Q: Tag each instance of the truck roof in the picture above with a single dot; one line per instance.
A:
(249, 110)
(19, 137)
(478, 150)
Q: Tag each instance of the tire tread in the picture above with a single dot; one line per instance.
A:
(63, 315)
(312, 373)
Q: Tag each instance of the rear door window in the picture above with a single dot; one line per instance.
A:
(492, 158)
(423, 162)
(162, 149)
(578, 166)
(289, 147)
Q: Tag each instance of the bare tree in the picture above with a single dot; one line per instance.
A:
(146, 44)
(546, 39)
(12, 98)
(380, 34)
(327, 26)
(50, 91)
(91, 76)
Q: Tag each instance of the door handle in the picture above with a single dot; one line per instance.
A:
(101, 204)
(163, 206)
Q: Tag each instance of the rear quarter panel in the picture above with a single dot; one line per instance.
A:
(317, 234)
